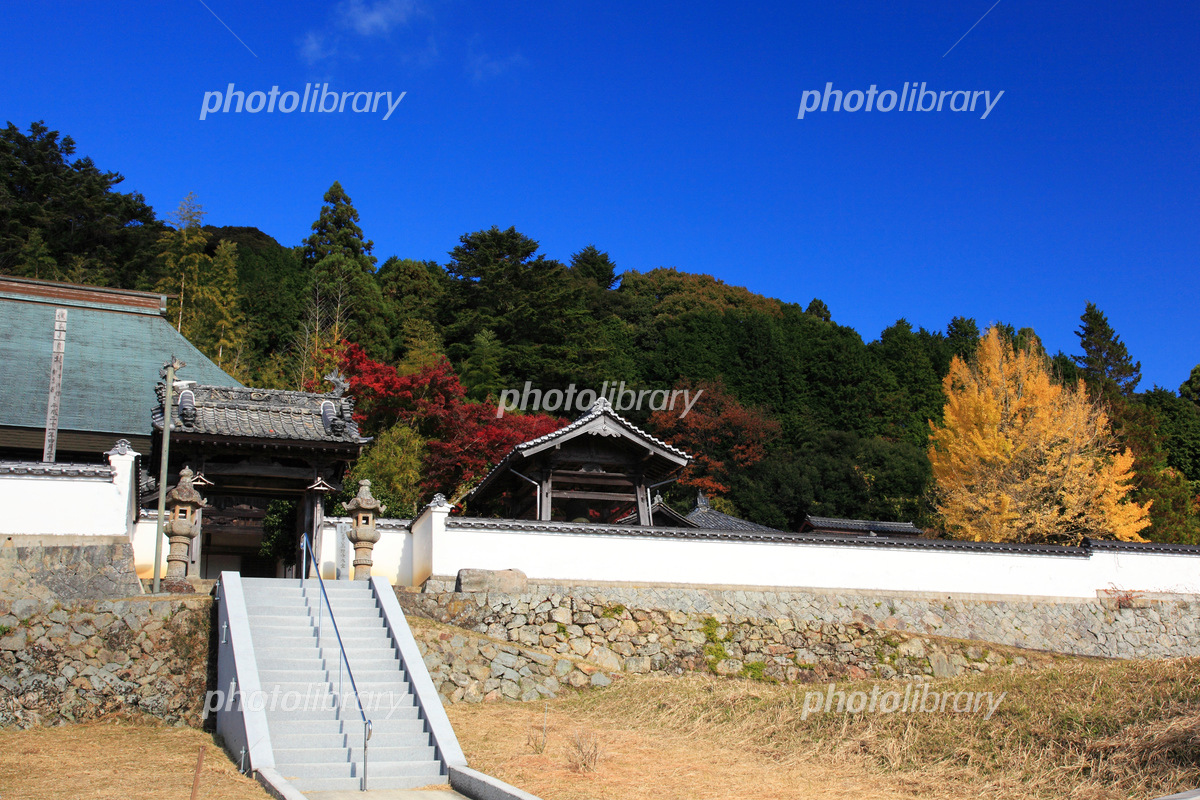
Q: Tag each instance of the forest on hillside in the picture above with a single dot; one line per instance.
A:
(799, 414)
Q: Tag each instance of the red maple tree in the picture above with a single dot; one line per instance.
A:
(464, 438)
(720, 434)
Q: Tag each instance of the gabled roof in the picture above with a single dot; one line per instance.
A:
(867, 526)
(599, 420)
(268, 414)
(116, 342)
(705, 516)
(603, 420)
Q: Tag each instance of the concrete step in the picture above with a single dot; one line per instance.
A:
(313, 606)
(364, 674)
(314, 690)
(374, 784)
(319, 693)
(336, 598)
(295, 640)
(303, 630)
(381, 656)
(381, 727)
(318, 744)
(331, 741)
(277, 653)
(382, 662)
(351, 616)
(289, 664)
(376, 754)
(375, 769)
(348, 713)
(308, 630)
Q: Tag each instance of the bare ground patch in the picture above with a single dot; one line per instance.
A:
(1076, 730)
(117, 761)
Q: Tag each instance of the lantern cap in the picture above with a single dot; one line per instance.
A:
(184, 492)
(364, 501)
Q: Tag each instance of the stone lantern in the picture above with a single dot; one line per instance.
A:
(182, 525)
(363, 509)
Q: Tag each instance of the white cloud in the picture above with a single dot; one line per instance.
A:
(481, 66)
(313, 48)
(372, 18)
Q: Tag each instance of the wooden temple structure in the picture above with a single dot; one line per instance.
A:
(601, 469)
(253, 446)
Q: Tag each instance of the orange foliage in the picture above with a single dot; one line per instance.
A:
(1020, 458)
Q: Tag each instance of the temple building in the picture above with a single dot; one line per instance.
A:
(601, 468)
(106, 347)
(253, 446)
(81, 367)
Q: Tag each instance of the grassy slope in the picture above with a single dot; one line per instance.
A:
(1091, 729)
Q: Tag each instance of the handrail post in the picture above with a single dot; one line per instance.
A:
(366, 738)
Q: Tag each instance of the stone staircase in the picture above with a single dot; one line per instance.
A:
(317, 741)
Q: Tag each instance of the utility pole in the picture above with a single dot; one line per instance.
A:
(168, 372)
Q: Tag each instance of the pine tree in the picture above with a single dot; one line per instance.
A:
(962, 334)
(595, 267)
(1190, 389)
(1020, 458)
(1105, 364)
(342, 266)
(498, 281)
(34, 259)
(819, 310)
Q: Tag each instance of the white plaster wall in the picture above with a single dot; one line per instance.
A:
(61, 506)
(591, 557)
(1146, 572)
(392, 555)
(144, 534)
(69, 506)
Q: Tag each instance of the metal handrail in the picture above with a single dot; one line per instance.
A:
(307, 549)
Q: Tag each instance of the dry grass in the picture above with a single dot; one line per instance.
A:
(116, 761)
(1090, 729)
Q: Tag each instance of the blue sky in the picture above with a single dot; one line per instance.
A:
(667, 135)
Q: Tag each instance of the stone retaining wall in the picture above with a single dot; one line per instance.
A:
(1120, 626)
(467, 668)
(602, 626)
(77, 662)
(67, 568)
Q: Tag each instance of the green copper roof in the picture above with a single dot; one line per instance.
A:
(110, 366)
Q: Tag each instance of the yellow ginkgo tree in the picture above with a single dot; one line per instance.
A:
(1020, 458)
